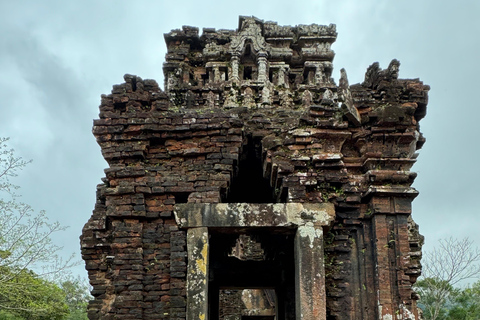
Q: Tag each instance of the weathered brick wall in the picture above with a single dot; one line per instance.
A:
(349, 145)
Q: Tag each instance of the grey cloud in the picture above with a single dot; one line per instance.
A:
(60, 56)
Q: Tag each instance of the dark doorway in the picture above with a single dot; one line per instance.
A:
(249, 185)
(253, 258)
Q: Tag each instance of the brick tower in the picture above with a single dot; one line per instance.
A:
(254, 186)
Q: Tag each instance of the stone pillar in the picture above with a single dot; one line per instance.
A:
(383, 276)
(197, 273)
(262, 67)
(216, 74)
(319, 75)
(393, 285)
(309, 273)
(235, 64)
(281, 77)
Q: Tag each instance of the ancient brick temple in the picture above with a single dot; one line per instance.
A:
(255, 187)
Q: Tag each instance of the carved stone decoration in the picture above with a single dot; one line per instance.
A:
(279, 74)
(262, 67)
(371, 76)
(173, 79)
(250, 30)
(320, 77)
(189, 99)
(393, 69)
(282, 77)
(346, 100)
(211, 99)
(328, 98)
(249, 98)
(307, 98)
(231, 99)
(286, 99)
(267, 94)
(235, 64)
(212, 50)
(319, 74)
(374, 74)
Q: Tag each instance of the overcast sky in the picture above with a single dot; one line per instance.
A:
(58, 57)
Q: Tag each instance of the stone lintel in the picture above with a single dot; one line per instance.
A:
(192, 215)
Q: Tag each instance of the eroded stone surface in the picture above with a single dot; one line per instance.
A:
(310, 274)
(197, 273)
(239, 215)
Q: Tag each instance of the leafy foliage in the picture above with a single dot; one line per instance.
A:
(28, 296)
(26, 245)
(466, 304)
(77, 295)
(434, 294)
(457, 304)
(452, 262)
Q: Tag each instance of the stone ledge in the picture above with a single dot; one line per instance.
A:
(192, 215)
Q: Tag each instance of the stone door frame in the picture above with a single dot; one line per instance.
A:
(308, 219)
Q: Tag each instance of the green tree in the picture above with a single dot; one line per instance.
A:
(452, 262)
(466, 303)
(25, 245)
(28, 296)
(77, 295)
(434, 294)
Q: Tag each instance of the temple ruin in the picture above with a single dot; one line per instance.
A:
(254, 187)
